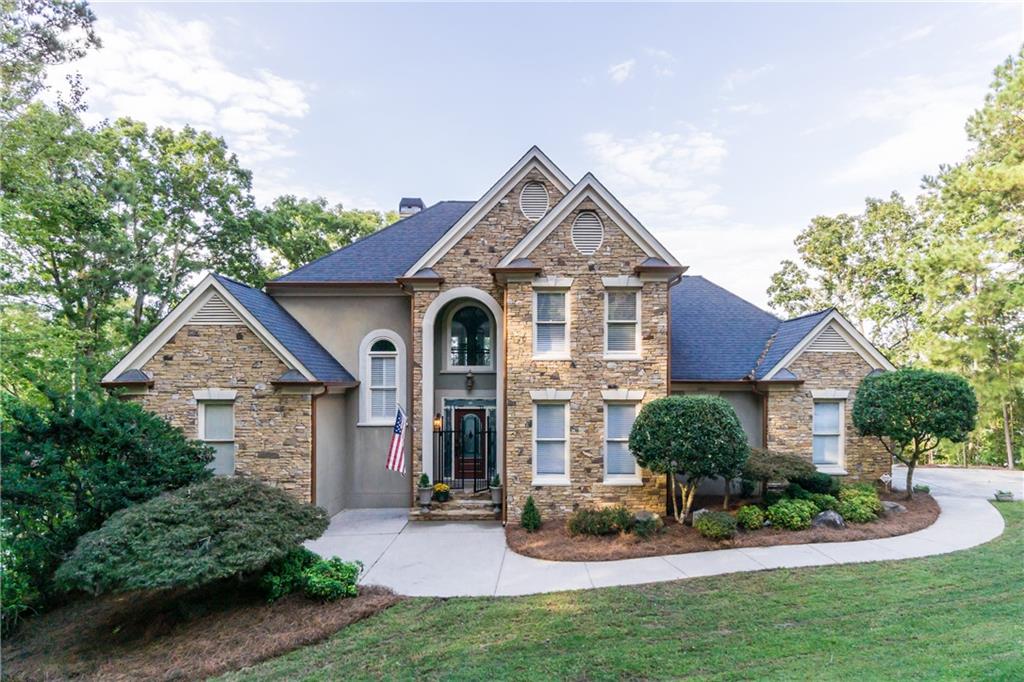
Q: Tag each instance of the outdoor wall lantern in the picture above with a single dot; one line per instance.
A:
(469, 381)
(437, 421)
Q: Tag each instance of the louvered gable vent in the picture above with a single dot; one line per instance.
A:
(830, 341)
(587, 233)
(215, 311)
(533, 201)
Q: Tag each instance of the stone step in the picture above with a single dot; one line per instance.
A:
(467, 503)
(454, 514)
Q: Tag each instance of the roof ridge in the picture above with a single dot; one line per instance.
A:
(372, 234)
(817, 312)
(764, 353)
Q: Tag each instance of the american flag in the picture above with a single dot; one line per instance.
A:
(396, 451)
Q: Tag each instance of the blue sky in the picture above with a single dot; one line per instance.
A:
(724, 128)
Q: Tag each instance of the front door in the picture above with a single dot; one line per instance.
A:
(470, 444)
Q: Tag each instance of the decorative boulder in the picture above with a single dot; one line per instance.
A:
(892, 507)
(697, 514)
(828, 519)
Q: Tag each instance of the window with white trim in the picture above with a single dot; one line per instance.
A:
(619, 463)
(217, 429)
(622, 323)
(382, 377)
(550, 324)
(551, 443)
(470, 338)
(828, 432)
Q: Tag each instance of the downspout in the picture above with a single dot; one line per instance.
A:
(764, 414)
(409, 373)
(312, 444)
(504, 409)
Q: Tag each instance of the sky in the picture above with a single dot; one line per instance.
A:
(723, 128)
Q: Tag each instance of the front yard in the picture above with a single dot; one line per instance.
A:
(955, 616)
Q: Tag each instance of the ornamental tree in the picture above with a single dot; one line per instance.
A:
(911, 410)
(696, 437)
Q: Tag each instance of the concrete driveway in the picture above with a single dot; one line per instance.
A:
(959, 482)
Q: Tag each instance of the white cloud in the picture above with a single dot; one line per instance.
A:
(916, 34)
(738, 77)
(658, 53)
(619, 73)
(926, 118)
(169, 72)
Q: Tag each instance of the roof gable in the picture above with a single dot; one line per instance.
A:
(589, 188)
(533, 160)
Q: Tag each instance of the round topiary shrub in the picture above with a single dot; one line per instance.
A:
(222, 528)
(750, 517)
(792, 514)
(716, 525)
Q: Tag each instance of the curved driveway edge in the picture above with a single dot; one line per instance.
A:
(471, 559)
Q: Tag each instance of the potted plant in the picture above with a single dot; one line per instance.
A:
(496, 490)
(442, 492)
(425, 491)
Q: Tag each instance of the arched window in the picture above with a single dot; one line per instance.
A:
(470, 340)
(381, 377)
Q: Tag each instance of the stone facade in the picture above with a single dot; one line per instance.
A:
(272, 429)
(791, 413)
(586, 374)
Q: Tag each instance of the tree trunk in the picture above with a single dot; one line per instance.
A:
(910, 478)
(1007, 435)
(728, 489)
(689, 492)
(672, 493)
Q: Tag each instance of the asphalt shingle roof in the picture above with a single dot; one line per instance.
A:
(718, 336)
(287, 330)
(387, 253)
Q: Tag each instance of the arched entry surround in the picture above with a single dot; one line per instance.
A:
(428, 370)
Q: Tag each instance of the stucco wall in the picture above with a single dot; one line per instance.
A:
(331, 436)
(747, 404)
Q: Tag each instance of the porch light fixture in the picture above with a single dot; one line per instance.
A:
(470, 380)
(437, 421)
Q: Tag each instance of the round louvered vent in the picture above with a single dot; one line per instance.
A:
(587, 232)
(534, 200)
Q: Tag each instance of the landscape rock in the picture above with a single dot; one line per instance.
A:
(828, 519)
(892, 507)
(697, 514)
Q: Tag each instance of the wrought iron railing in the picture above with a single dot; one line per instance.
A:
(463, 464)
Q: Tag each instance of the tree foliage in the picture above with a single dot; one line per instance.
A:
(911, 410)
(765, 465)
(221, 528)
(693, 436)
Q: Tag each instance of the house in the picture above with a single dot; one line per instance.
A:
(520, 333)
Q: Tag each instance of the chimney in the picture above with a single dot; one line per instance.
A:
(409, 206)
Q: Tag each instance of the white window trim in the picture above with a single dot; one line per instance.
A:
(830, 396)
(364, 376)
(623, 355)
(560, 355)
(551, 479)
(448, 368)
(619, 479)
(201, 404)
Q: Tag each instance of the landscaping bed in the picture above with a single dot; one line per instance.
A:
(553, 541)
(192, 636)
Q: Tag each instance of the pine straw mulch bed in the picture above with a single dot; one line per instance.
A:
(195, 636)
(553, 541)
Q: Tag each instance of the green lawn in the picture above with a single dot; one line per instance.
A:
(959, 616)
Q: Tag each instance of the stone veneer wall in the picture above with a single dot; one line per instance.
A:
(468, 263)
(272, 430)
(791, 413)
(586, 374)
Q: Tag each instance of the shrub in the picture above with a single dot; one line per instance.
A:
(424, 481)
(225, 527)
(817, 483)
(645, 525)
(67, 467)
(604, 521)
(823, 502)
(859, 503)
(530, 520)
(792, 514)
(716, 525)
(694, 436)
(766, 466)
(796, 492)
(750, 517)
(771, 497)
(921, 488)
(286, 575)
(331, 579)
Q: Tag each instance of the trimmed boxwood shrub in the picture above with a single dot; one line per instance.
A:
(823, 502)
(331, 579)
(530, 520)
(222, 528)
(750, 517)
(716, 525)
(646, 525)
(287, 574)
(817, 482)
(792, 514)
(606, 521)
(859, 503)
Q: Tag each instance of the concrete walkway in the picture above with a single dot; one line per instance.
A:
(471, 559)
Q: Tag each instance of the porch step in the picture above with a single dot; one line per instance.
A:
(447, 513)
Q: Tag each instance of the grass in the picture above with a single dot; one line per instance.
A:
(957, 616)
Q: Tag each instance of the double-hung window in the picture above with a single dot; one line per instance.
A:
(551, 326)
(551, 443)
(828, 433)
(383, 380)
(622, 323)
(217, 429)
(619, 464)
